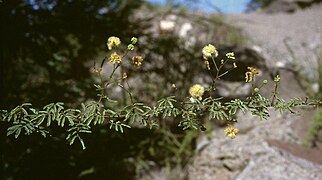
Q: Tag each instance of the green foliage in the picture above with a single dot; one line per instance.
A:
(314, 133)
(216, 110)
(165, 148)
(29, 120)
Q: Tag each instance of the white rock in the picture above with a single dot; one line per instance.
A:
(315, 87)
(185, 28)
(167, 25)
(258, 49)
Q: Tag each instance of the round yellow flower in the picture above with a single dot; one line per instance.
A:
(113, 42)
(231, 132)
(115, 58)
(196, 91)
(209, 51)
(137, 60)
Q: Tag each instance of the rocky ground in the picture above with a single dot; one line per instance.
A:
(269, 149)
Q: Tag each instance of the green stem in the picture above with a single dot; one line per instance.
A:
(213, 60)
(225, 73)
(274, 96)
(253, 80)
(221, 66)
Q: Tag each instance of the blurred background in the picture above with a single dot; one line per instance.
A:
(49, 47)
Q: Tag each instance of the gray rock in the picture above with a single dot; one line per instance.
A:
(286, 6)
(281, 6)
(223, 158)
(276, 165)
(233, 89)
(291, 41)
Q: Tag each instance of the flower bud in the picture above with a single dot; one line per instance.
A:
(130, 47)
(134, 40)
(256, 90)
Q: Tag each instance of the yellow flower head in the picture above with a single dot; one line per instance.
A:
(137, 60)
(209, 51)
(115, 58)
(113, 42)
(231, 132)
(231, 55)
(196, 91)
(249, 76)
(253, 70)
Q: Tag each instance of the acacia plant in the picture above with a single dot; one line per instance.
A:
(26, 119)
